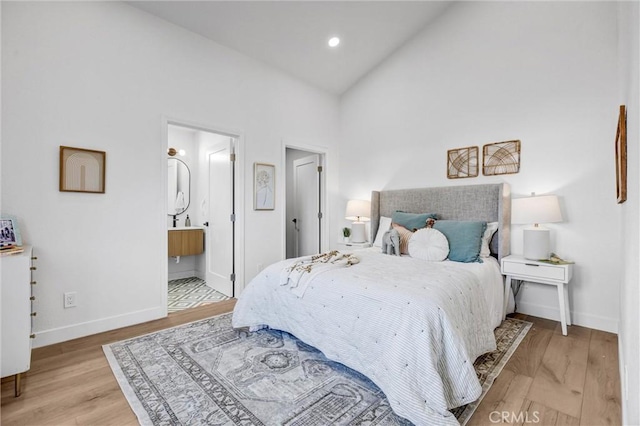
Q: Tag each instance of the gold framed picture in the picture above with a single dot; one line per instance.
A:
(462, 162)
(82, 170)
(501, 158)
(621, 156)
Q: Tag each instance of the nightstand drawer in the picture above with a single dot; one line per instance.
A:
(535, 270)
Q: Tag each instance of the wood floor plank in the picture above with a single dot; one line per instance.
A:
(528, 357)
(567, 420)
(69, 399)
(602, 386)
(574, 331)
(536, 413)
(506, 395)
(559, 381)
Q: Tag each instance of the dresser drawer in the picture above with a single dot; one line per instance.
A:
(535, 270)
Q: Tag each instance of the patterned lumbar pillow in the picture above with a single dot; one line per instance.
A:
(405, 236)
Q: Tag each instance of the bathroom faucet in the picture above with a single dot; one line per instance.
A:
(175, 220)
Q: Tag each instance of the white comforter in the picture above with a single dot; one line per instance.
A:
(413, 327)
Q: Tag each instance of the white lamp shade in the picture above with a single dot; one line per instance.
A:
(534, 210)
(358, 210)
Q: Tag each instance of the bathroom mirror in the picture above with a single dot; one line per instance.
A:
(179, 186)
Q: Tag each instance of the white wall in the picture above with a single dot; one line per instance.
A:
(629, 213)
(103, 75)
(541, 72)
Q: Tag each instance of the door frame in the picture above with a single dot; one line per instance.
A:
(239, 200)
(323, 152)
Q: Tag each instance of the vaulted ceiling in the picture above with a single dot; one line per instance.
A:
(292, 35)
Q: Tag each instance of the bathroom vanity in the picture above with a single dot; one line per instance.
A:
(186, 241)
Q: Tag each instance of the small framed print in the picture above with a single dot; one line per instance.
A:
(264, 179)
(9, 232)
(621, 156)
(82, 170)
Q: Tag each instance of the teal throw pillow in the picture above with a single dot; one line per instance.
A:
(412, 221)
(465, 239)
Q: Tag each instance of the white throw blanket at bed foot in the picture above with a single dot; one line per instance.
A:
(304, 269)
(413, 327)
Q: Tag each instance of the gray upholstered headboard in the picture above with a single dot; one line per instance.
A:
(490, 202)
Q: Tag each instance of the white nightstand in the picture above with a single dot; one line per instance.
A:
(353, 246)
(519, 268)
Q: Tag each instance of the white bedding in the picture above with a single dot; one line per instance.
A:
(412, 327)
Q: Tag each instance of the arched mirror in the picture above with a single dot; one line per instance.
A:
(179, 186)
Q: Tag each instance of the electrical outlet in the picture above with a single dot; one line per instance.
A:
(70, 299)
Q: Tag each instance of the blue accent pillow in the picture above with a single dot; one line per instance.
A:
(465, 239)
(412, 221)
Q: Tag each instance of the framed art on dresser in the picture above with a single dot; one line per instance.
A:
(9, 231)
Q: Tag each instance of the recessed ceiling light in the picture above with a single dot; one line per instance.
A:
(334, 41)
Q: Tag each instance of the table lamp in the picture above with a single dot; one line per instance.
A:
(358, 211)
(536, 210)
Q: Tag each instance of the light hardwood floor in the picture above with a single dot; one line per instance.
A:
(550, 380)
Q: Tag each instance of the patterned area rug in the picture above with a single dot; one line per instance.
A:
(190, 292)
(207, 373)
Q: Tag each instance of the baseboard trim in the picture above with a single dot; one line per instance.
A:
(74, 331)
(184, 274)
(578, 318)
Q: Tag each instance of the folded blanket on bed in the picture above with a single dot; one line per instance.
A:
(303, 270)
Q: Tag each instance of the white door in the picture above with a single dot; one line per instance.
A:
(220, 232)
(306, 201)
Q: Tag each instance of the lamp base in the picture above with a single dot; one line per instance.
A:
(358, 234)
(536, 244)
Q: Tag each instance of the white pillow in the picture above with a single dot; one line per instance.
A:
(429, 244)
(383, 226)
(485, 250)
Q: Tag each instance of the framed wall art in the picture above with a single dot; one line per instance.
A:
(9, 231)
(462, 162)
(264, 186)
(621, 156)
(82, 170)
(501, 158)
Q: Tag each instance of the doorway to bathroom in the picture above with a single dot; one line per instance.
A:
(203, 177)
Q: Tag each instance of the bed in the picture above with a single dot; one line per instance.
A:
(413, 327)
